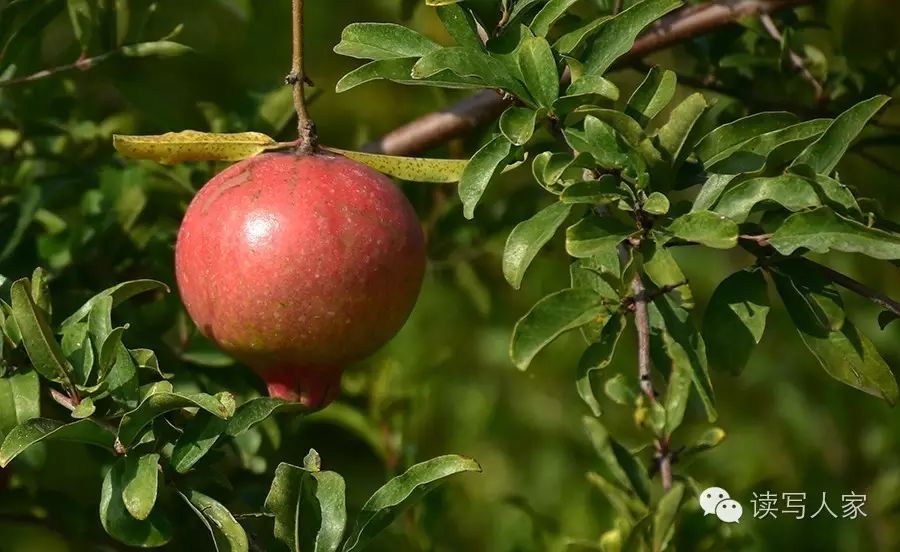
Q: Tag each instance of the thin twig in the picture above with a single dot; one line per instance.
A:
(642, 326)
(856, 286)
(437, 128)
(306, 128)
(797, 61)
(81, 64)
(617, 7)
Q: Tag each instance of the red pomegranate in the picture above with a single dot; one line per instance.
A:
(298, 265)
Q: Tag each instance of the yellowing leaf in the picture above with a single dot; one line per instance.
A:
(190, 145)
(414, 169)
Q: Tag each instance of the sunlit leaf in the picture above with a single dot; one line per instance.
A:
(480, 170)
(413, 169)
(527, 239)
(140, 477)
(228, 535)
(155, 530)
(190, 145)
(383, 41)
(552, 316)
(822, 230)
(707, 228)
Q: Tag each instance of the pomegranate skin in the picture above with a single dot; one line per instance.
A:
(298, 265)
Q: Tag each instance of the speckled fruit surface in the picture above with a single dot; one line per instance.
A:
(299, 265)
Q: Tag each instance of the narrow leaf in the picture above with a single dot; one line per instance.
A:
(400, 493)
(527, 239)
(822, 230)
(140, 478)
(43, 350)
(480, 170)
(822, 156)
(652, 96)
(227, 533)
(43, 429)
(154, 531)
(190, 145)
(413, 169)
(158, 404)
(552, 316)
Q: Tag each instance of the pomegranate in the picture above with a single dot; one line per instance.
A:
(298, 265)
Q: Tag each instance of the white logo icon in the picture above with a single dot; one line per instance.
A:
(729, 511)
(716, 500)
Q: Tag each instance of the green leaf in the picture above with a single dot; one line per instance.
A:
(400, 71)
(40, 292)
(617, 35)
(20, 399)
(549, 14)
(605, 189)
(735, 320)
(400, 493)
(309, 506)
(226, 532)
(593, 235)
(631, 480)
(257, 410)
(413, 169)
(664, 516)
(570, 41)
(836, 195)
(83, 19)
(160, 48)
(673, 136)
(656, 204)
(652, 96)
(85, 409)
(593, 85)
(619, 391)
(36, 430)
(538, 67)
(109, 348)
(792, 192)
(517, 124)
(822, 156)
(461, 25)
(480, 170)
(685, 348)
(527, 239)
(470, 63)
(119, 293)
(706, 228)
(846, 355)
(200, 434)
(45, 353)
(158, 404)
(711, 191)
(76, 346)
(154, 531)
(140, 477)
(822, 230)
(768, 149)
(189, 145)
(383, 41)
(597, 357)
(726, 137)
(550, 317)
(662, 268)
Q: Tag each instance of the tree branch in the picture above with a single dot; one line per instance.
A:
(82, 64)
(797, 61)
(642, 326)
(856, 287)
(436, 128)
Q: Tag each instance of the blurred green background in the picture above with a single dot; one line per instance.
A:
(445, 384)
